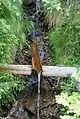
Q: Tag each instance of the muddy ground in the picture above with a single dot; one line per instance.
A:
(49, 87)
(26, 105)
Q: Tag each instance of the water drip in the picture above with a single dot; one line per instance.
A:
(38, 98)
(36, 34)
(37, 28)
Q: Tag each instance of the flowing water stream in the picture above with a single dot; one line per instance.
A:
(38, 98)
(37, 17)
(38, 101)
(38, 9)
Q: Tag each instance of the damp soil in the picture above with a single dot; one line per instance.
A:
(25, 106)
(49, 109)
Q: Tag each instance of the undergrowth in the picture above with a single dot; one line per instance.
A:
(65, 38)
(12, 28)
(51, 5)
(65, 50)
(9, 86)
(69, 100)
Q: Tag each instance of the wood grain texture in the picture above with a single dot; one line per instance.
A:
(36, 62)
(47, 70)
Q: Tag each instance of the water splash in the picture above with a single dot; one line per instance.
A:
(38, 5)
(38, 98)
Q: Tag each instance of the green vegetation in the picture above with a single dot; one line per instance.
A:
(64, 42)
(65, 50)
(9, 86)
(51, 5)
(69, 100)
(65, 39)
(12, 28)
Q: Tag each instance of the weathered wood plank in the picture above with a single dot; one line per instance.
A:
(47, 70)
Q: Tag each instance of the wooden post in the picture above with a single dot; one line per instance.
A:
(47, 70)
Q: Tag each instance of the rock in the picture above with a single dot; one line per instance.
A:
(18, 112)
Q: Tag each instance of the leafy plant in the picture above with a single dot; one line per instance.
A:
(76, 75)
(9, 85)
(51, 5)
(52, 9)
(12, 28)
(68, 86)
(69, 100)
(65, 39)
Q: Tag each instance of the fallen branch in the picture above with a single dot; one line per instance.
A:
(47, 70)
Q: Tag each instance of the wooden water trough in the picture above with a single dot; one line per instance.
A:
(47, 70)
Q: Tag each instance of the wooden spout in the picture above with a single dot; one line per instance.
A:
(36, 62)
